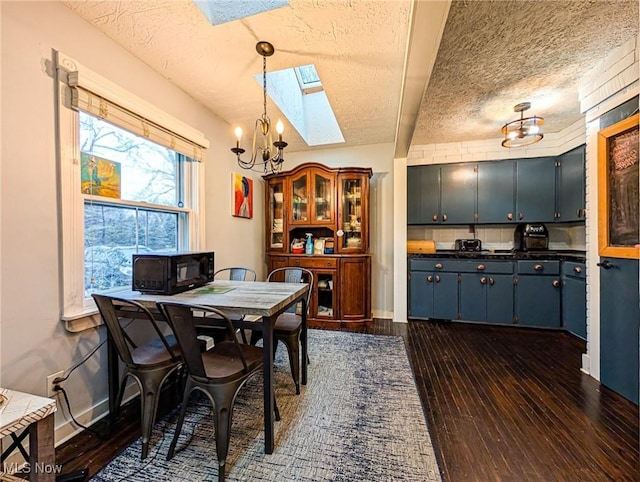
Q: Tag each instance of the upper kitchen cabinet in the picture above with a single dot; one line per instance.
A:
(570, 179)
(496, 192)
(312, 197)
(535, 190)
(441, 194)
(423, 194)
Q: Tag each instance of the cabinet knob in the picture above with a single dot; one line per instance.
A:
(538, 267)
(605, 264)
(437, 279)
(435, 217)
(577, 269)
(444, 217)
(510, 216)
(483, 281)
(520, 216)
(480, 267)
(556, 283)
(492, 281)
(438, 266)
(430, 279)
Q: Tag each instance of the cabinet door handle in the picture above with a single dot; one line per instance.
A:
(480, 267)
(444, 217)
(605, 264)
(438, 265)
(510, 216)
(577, 269)
(437, 279)
(578, 212)
(434, 217)
(556, 283)
(520, 216)
(492, 281)
(430, 279)
(483, 281)
(538, 267)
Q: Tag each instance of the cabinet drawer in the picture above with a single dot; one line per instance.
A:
(539, 267)
(434, 264)
(316, 262)
(573, 269)
(483, 266)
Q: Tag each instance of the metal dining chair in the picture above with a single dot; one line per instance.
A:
(237, 274)
(288, 326)
(219, 372)
(149, 364)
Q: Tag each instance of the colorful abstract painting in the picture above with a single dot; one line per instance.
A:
(242, 196)
(100, 177)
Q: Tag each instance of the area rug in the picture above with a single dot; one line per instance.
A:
(358, 419)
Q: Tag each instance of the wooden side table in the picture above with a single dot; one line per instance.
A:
(22, 410)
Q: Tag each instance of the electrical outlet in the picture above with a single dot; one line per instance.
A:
(50, 391)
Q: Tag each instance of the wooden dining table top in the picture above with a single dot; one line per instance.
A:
(244, 297)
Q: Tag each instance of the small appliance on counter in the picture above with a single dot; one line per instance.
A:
(468, 245)
(531, 237)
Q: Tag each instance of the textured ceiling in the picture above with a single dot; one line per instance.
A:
(492, 55)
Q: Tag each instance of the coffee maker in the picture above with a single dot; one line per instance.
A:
(531, 237)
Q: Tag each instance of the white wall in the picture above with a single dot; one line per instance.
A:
(33, 342)
(379, 157)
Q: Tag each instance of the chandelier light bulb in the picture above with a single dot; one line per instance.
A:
(238, 133)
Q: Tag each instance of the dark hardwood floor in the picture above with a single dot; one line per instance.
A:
(502, 404)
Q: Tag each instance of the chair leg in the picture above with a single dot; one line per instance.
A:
(183, 409)
(293, 347)
(256, 336)
(223, 398)
(150, 384)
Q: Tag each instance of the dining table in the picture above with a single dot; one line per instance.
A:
(256, 300)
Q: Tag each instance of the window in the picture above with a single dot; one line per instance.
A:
(127, 184)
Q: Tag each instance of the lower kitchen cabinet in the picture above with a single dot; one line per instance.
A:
(538, 293)
(486, 297)
(574, 298)
(433, 289)
(342, 286)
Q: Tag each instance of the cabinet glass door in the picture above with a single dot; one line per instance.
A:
(276, 215)
(299, 197)
(352, 215)
(323, 207)
(325, 301)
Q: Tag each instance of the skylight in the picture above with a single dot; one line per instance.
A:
(299, 94)
(222, 11)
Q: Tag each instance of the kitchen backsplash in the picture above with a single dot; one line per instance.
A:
(499, 237)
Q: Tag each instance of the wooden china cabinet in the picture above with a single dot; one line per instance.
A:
(332, 205)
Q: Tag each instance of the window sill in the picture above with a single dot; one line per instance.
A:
(82, 321)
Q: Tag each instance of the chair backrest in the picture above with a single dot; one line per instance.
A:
(237, 274)
(293, 275)
(183, 321)
(116, 311)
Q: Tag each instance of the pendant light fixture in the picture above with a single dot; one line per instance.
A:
(523, 131)
(266, 154)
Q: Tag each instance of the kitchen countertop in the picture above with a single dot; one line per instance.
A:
(560, 255)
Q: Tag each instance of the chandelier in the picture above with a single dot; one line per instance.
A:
(523, 131)
(265, 153)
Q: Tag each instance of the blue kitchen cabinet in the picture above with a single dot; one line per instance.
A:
(433, 290)
(423, 194)
(458, 184)
(496, 192)
(574, 298)
(570, 181)
(538, 293)
(486, 292)
(619, 326)
(536, 190)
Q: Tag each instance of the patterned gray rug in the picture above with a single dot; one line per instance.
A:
(358, 419)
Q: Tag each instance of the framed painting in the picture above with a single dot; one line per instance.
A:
(242, 196)
(99, 177)
(618, 190)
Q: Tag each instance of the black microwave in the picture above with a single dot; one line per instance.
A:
(171, 273)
